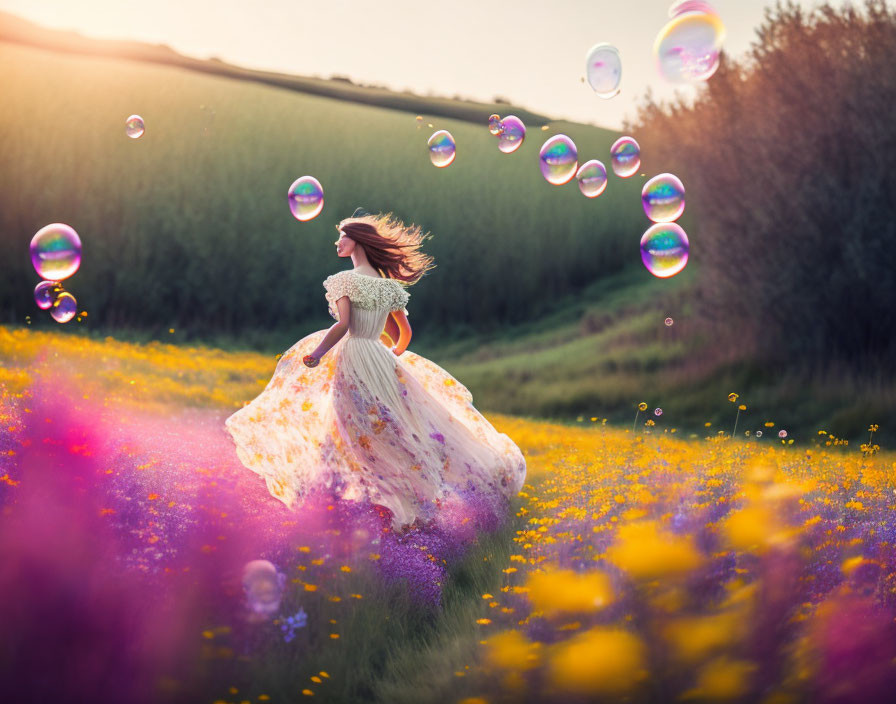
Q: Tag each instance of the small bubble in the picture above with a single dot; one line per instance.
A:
(657, 411)
(782, 433)
(669, 322)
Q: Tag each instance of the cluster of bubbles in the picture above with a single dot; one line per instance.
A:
(134, 127)
(55, 256)
(688, 47)
(306, 198)
(510, 132)
(442, 148)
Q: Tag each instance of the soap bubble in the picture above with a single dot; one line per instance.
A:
(559, 159)
(592, 178)
(682, 6)
(64, 307)
(441, 148)
(664, 249)
(133, 127)
(657, 411)
(604, 69)
(45, 294)
(306, 198)
(782, 433)
(663, 198)
(758, 433)
(513, 132)
(263, 586)
(625, 155)
(494, 124)
(56, 252)
(687, 48)
(669, 322)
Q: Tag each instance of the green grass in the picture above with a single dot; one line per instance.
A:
(390, 649)
(188, 226)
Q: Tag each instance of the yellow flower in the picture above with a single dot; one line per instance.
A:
(601, 661)
(732, 397)
(642, 406)
(558, 591)
(741, 407)
(511, 650)
(647, 553)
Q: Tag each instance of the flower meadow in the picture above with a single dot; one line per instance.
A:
(140, 562)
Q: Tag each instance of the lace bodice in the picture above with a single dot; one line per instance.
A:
(365, 292)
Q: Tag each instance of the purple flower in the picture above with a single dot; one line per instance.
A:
(290, 624)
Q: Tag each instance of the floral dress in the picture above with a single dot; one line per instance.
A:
(400, 432)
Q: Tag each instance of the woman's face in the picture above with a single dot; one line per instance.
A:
(344, 245)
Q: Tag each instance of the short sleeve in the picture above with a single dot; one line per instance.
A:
(399, 299)
(337, 286)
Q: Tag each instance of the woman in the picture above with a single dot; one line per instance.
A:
(373, 423)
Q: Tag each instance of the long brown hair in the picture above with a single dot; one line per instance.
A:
(392, 248)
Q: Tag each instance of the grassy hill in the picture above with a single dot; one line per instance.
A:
(539, 302)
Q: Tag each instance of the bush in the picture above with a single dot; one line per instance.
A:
(787, 157)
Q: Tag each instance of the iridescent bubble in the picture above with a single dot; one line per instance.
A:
(664, 249)
(758, 433)
(681, 6)
(604, 69)
(64, 307)
(669, 322)
(592, 178)
(263, 586)
(625, 155)
(513, 132)
(782, 433)
(687, 48)
(663, 198)
(494, 124)
(657, 411)
(133, 127)
(45, 294)
(56, 252)
(441, 148)
(559, 159)
(306, 198)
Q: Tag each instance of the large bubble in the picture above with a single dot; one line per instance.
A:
(663, 198)
(134, 127)
(592, 178)
(306, 198)
(64, 307)
(45, 294)
(56, 252)
(441, 148)
(664, 249)
(625, 155)
(494, 124)
(559, 159)
(687, 48)
(604, 69)
(513, 132)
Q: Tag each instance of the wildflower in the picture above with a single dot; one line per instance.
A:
(599, 661)
(558, 591)
(511, 650)
(645, 552)
(732, 397)
(290, 624)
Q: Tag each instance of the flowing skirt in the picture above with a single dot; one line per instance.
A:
(400, 432)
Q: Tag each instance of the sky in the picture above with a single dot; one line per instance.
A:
(531, 53)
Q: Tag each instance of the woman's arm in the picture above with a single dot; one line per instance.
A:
(337, 330)
(404, 331)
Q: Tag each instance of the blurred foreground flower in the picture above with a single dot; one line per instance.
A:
(557, 591)
(647, 553)
(600, 661)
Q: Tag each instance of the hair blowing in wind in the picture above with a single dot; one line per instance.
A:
(392, 247)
